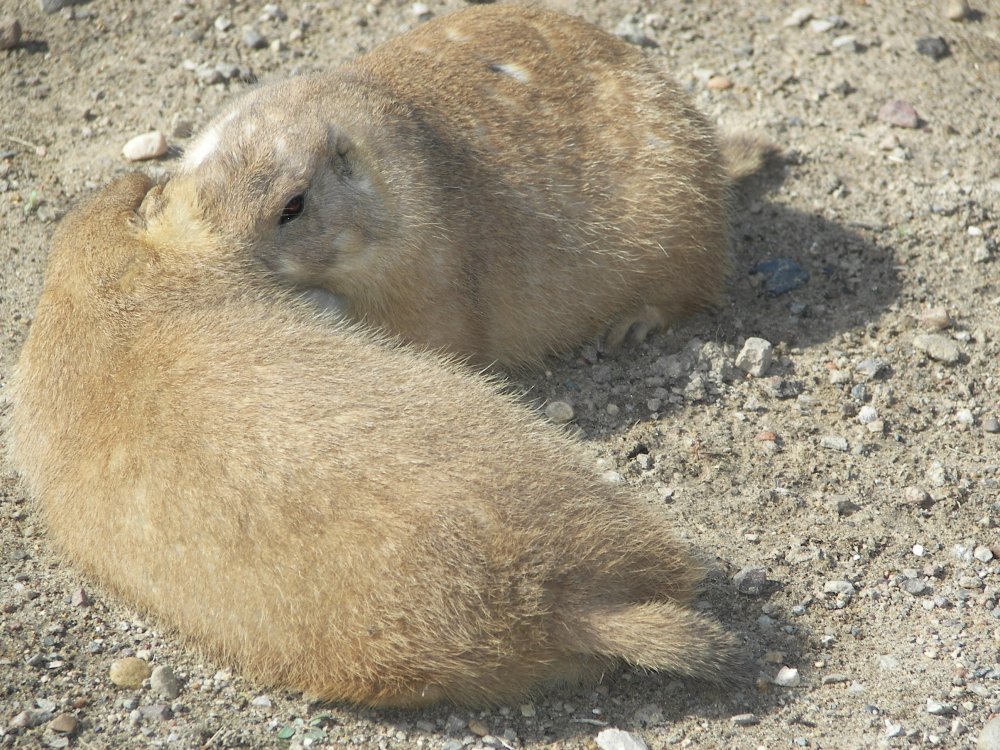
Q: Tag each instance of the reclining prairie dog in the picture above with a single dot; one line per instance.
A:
(502, 182)
(323, 508)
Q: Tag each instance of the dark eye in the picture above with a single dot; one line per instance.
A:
(292, 209)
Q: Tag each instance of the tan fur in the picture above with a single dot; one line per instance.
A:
(502, 182)
(323, 508)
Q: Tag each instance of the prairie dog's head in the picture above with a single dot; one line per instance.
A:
(277, 177)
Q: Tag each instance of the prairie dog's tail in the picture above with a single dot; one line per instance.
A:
(663, 636)
(745, 154)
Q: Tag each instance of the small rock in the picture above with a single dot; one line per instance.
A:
(147, 146)
(261, 701)
(157, 711)
(630, 29)
(899, 113)
(935, 319)
(915, 586)
(938, 347)
(936, 708)
(559, 412)
(787, 677)
(755, 356)
(893, 730)
(745, 720)
(51, 6)
(129, 672)
(272, 12)
(719, 83)
(30, 718)
(872, 368)
(846, 507)
(648, 715)
(223, 24)
(528, 710)
(478, 728)
(798, 18)
(835, 679)
(843, 588)
(991, 424)
(957, 10)
(965, 418)
(821, 25)
(79, 598)
(208, 75)
(983, 553)
(834, 442)
(617, 739)
(846, 41)
(253, 38)
(63, 724)
(918, 496)
(751, 581)
(867, 414)
(970, 582)
(10, 32)
(989, 738)
(934, 47)
(781, 275)
(164, 682)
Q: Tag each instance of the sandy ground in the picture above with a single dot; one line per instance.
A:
(858, 479)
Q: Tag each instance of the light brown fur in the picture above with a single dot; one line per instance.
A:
(323, 508)
(502, 182)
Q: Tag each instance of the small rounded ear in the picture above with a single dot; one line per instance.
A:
(151, 205)
(343, 149)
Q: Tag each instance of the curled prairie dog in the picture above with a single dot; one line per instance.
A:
(502, 182)
(323, 508)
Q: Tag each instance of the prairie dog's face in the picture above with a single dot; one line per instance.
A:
(275, 177)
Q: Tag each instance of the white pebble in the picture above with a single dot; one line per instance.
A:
(918, 550)
(983, 554)
(798, 17)
(867, 414)
(834, 442)
(845, 588)
(755, 356)
(787, 677)
(617, 739)
(146, 146)
(965, 418)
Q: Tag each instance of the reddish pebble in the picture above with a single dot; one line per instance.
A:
(63, 724)
(80, 598)
(719, 83)
(899, 113)
(767, 436)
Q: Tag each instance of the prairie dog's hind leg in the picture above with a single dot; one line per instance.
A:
(636, 327)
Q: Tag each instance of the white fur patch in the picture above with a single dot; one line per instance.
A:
(206, 144)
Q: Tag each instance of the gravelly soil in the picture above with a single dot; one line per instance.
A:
(889, 223)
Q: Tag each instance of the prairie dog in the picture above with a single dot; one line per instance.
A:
(321, 507)
(502, 182)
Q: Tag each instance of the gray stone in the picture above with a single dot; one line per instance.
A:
(989, 738)
(617, 739)
(745, 720)
(936, 708)
(834, 442)
(751, 581)
(253, 39)
(938, 347)
(841, 588)
(755, 356)
(983, 553)
(872, 368)
(51, 6)
(787, 677)
(164, 682)
(559, 412)
(915, 586)
(991, 424)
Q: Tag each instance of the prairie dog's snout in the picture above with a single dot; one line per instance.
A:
(325, 509)
(501, 182)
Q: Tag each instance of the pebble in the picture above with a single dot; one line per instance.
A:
(798, 17)
(899, 113)
(957, 10)
(845, 507)
(79, 598)
(261, 701)
(617, 739)
(834, 442)
(719, 83)
(129, 672)
(841, 588)
(872, 368)
(915, 586)
(835, 679)
(938, 347)
(164, 682)
(781, 275)
(272, 12)
(559, 412)
(30, 718)
(934, 47)
(751, 581)
(755, 356)
(157, 711)
(989, 738)
(846, 41)
(631, 30)
(983, 553)
(223, 24)
(478, 728)
(821, 25)
(10, 32)
(991, 424)
(918, 496)
(51, 6)
(787, 677)
(745, 720)
(936, 319)
(146, 146)
(893, 730)
(64, 724)
(970, 582)
(936, 708)
(528, 710)
(253, 39)
(867, 414)
(965, 418)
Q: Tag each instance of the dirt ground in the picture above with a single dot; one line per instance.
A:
(855, 483)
